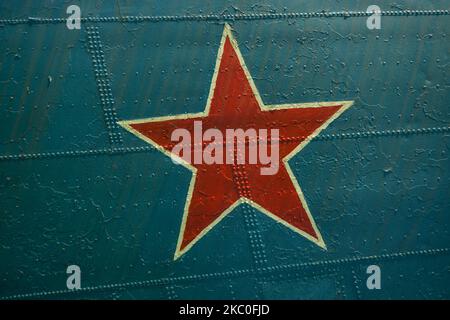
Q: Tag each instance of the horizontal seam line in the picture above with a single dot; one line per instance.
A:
(229, 17)
(258, 272)
(125, 150)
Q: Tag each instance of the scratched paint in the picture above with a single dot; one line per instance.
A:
(72, 192)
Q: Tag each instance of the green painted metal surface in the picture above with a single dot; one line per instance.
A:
(75, 188)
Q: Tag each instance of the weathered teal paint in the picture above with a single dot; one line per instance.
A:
(76, 189)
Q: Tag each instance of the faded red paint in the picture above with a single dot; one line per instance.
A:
(217, 187)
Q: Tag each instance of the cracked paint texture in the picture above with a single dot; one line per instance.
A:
(377, 198)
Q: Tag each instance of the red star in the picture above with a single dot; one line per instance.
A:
(215, 190)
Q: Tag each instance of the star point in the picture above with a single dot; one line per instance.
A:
(217, 189)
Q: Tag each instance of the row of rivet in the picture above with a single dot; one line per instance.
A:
(231, 17)
(113, 151)
(251, 223)
(95, 48)
(261, 272)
